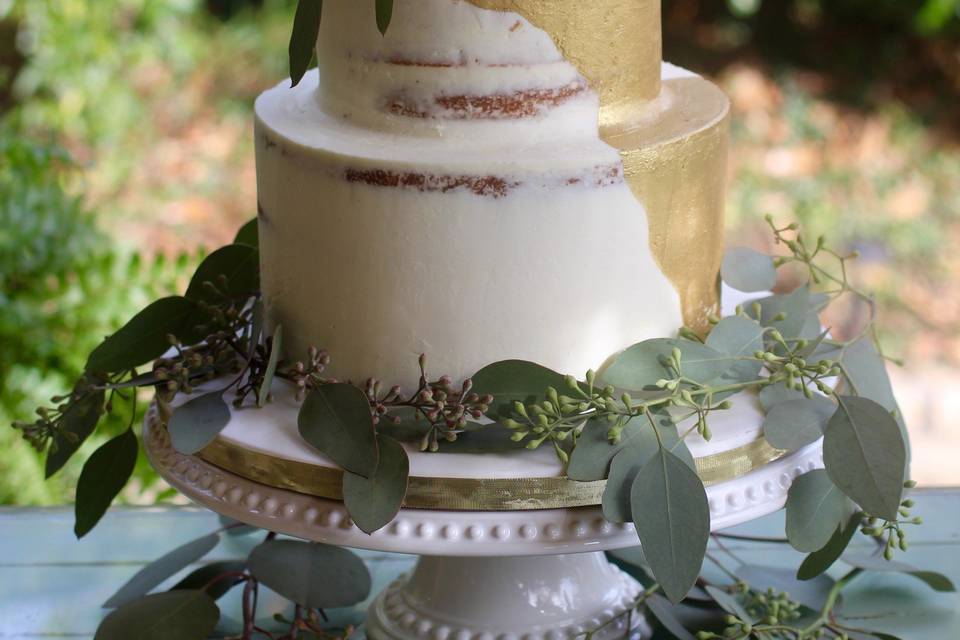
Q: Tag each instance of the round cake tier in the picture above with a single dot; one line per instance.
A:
(487, 239)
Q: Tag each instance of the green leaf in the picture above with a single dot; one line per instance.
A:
(624, 469)
(812, 594)
(868, 373)
(934, 580)
(819, 561)
(311, 574)
(510, 381)
(238, 263)
(864, 453)
(661, 609)
(796, 423)
(739, 337)
(79, 420)
(144, 337)
(196, 423)
(373, 502)
(773, 395)
(336, 420)
(303, 39)
(748, 270)
(184, 615)
(384, 14)
(103, 476)
(729, 603)
(815, 508)
(149, 577)
(634, 563)
(276, 348)
(206, 578)
(672, 519)
(489, 438)
(591, 458)
(249, 234)
(642, 365)
(795, 306)
(639, 446)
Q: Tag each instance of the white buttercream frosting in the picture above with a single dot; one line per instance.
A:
(471, 237)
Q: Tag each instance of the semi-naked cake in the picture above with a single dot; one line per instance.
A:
(491, 179)
(488, 181)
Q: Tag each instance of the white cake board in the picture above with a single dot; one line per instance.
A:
(517, 575)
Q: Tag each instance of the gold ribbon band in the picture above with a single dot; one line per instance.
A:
(468, 494)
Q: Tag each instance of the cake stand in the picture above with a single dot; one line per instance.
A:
(482, 575)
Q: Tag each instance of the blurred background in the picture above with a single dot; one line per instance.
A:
(126, 152)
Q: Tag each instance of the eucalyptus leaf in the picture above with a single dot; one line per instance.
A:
(662, 610)
(79, 420)
(933, 579)
(384, 10)
(311, 574)
(747, 270)
(623, 470)
(591, 458)
(249, 234)
(510, 381)
(373, 502)
(812, 594)
(865, 455)
(206, 577)
(197, 422)
(149, 577)
(774, 394)
(729, 603)
(819, 561)
(641, 444)
(303, 39)
(739, 337)
(276, 348)
(144, 337)
(795, 306)
(867, 371)
(794, 424)
(672, 519)
(184, 615)
(815, 508)
(490, 438)
(642, 365)
(238, 263)
(104, 474)
(336, 420)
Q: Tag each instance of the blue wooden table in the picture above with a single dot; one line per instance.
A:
(51, 586)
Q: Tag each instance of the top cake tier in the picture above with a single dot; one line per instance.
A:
(443, 59)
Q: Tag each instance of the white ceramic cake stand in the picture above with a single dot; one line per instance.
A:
(518, 575)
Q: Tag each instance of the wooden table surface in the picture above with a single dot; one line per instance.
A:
(51, 585)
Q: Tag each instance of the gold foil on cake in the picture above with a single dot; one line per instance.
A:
(615, 44)
(468, 494)
(672, 136)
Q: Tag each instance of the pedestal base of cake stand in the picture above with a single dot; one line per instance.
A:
(519, 598)
(517, 575)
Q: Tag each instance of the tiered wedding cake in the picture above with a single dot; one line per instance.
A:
(491, 179)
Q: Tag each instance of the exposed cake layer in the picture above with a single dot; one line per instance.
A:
(450, 59)
(379, 247)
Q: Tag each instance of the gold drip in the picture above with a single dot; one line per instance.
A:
(672, 136)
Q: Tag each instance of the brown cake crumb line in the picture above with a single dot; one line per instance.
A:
(487, 186)
(520, 104)
(490, 186)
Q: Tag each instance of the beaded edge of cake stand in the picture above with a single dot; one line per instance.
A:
(429, 532)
